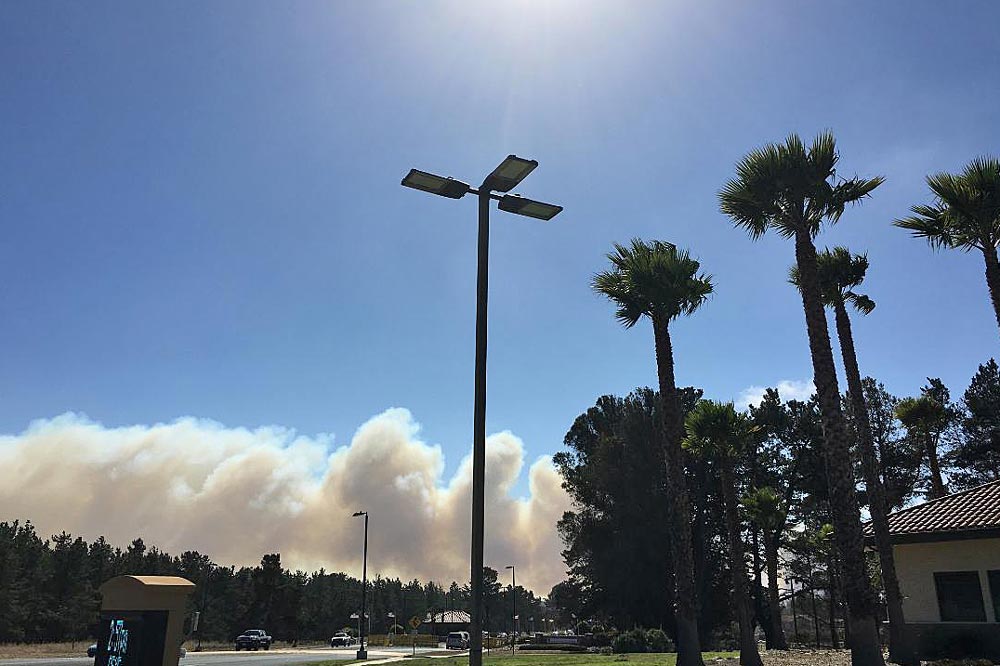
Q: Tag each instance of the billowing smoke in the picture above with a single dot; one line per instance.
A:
(235, 494)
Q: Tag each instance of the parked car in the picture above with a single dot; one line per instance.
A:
(457, 640)
(253, 639)
(341, 639)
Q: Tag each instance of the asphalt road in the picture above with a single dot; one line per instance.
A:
(260, 658)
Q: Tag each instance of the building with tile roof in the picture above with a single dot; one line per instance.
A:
(947, 554)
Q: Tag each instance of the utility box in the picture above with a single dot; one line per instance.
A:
(142, 620)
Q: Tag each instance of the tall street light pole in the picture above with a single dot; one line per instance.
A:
(362, 652)
(503, 179)
(513, 613)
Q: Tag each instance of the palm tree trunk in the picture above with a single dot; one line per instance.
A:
(771, 558)
(831, 579)
(898, 651)
(993, 279)
(688, 641)
(865, 648)
(749, 656)
(761, 605)
(763, 612)
(700, 536)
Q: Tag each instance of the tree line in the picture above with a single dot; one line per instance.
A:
(48, 592)
(806, 464)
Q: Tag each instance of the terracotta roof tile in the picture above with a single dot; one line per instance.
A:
(974, 509)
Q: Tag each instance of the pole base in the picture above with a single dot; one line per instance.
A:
(362, 654)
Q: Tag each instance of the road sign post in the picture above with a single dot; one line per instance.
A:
(414, 622)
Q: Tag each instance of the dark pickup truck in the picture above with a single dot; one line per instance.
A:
(253, 639)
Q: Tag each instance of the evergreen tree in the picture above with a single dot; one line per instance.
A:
(975, 458)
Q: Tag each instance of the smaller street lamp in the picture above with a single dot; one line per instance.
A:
(362, 652)
(513, 615)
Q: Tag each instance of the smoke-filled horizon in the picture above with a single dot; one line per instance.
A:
(235, 493)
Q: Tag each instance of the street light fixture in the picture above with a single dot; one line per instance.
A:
(428, 182)
(362, 652)
(513, 203)
(504, 178)
(510, 173)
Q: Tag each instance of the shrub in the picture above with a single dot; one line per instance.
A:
(658, 641)
(633, 640)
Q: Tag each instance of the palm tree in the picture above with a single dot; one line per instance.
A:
(840, 274)
(964, 216)
(793, 189)
(768, 511)
(660, 282)
(719, 434)
(924, 419)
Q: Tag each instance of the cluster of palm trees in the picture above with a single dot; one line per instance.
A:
(794, 190)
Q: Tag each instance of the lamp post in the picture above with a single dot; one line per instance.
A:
(513, 614)
(362, 652)
(795, 618)
(503, 179)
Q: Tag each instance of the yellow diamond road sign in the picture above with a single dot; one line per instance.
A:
(414, 621)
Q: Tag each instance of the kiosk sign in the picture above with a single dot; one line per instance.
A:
(117, 645)
(131, 638)
(142, 620)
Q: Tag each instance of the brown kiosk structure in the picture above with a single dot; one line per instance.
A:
(142, 620)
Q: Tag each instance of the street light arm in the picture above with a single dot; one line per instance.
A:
(486, 191)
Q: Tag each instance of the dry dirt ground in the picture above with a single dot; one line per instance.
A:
(31, 650)
(795, 658)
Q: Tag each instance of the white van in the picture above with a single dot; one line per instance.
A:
(457, 640)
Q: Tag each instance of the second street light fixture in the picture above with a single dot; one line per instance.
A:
(428, 182)
(528, 207)
(504, 178)
(510, 173)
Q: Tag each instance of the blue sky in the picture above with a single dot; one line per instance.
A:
(202, 212)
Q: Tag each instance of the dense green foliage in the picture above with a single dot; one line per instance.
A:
(976, 459)
(616, 536)
(48, 592)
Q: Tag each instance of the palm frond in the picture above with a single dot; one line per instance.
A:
(654, 279)
(850, 192)
(838, 272)
(716, 429)
(928, 222)
(861, 302)
(789, 188)
(966, 210)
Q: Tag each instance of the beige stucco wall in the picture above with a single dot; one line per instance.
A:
(917, 562)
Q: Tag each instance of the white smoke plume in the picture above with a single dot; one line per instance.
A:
(235, 494)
